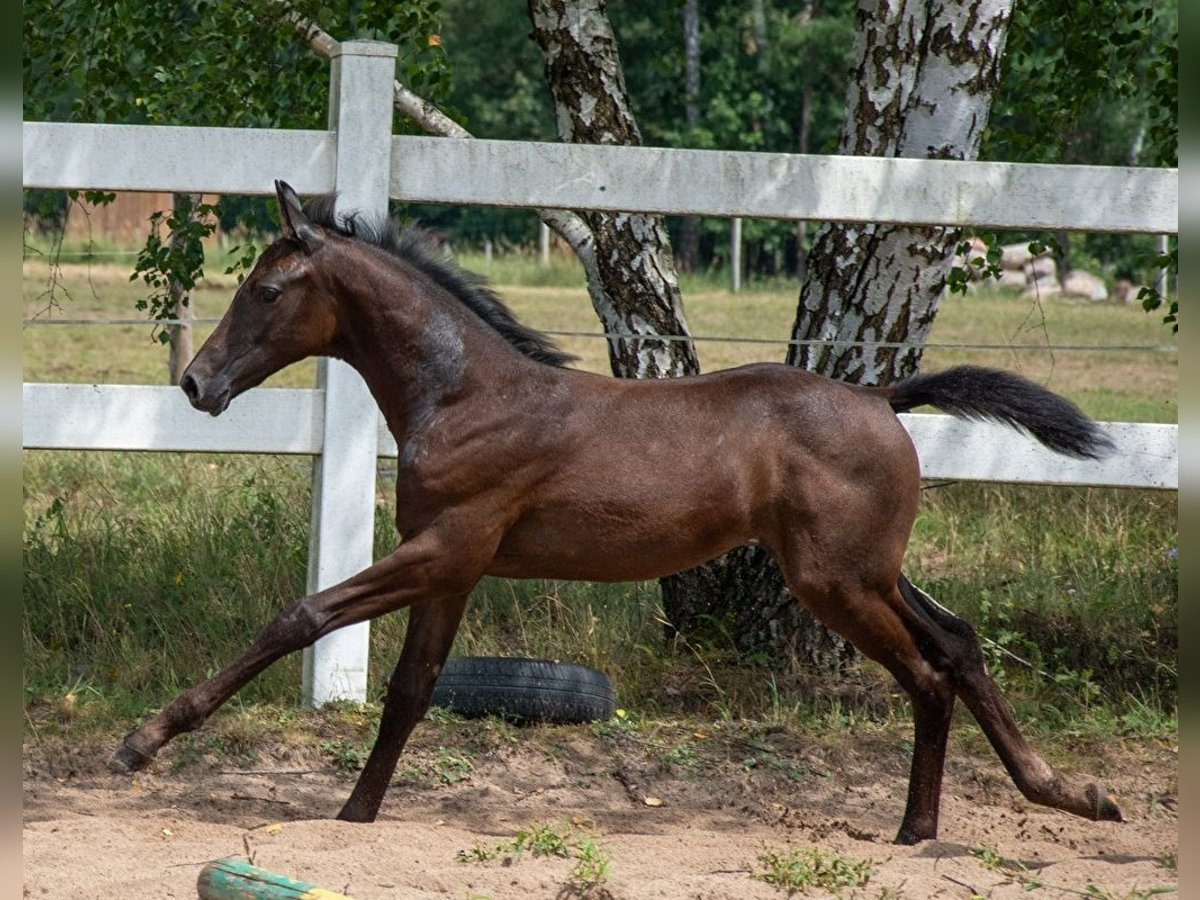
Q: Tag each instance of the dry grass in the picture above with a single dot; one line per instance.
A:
(1109, 384)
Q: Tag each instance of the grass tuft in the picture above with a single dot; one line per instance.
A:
(797, 871)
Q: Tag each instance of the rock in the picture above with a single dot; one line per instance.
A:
(1079, 283)
(1012, 280)
(1125, 291)
(1042, 269)
(1040, 290)
(1015, 256)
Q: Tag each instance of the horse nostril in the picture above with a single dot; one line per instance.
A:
(188, 383)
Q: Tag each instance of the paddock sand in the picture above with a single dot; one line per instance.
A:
(668, 830)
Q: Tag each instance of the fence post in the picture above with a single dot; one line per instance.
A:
(343, 514)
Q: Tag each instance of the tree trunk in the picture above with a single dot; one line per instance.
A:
(179, 343)
(923, 87)
(639, 295)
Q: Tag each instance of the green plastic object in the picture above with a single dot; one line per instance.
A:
(233, 879)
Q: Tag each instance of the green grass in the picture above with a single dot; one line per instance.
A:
(144, 572)
(798, 871)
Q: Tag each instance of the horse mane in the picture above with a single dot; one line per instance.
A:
(413, 246)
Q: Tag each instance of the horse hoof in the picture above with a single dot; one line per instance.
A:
(1104, 805)
(906, 838)
(353, 813)
(126, 761)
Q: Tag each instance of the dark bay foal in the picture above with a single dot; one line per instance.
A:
(512, 465)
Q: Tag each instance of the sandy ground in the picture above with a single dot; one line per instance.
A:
(716, 804)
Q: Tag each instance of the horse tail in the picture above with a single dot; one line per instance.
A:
(975, 392)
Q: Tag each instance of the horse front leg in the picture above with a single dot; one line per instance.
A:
(418, 568)
(431, 629)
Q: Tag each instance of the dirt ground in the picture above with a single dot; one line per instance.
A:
(676, 814)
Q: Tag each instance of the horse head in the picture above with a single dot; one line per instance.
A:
(283, 311)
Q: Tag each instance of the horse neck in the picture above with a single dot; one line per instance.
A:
(413, 342)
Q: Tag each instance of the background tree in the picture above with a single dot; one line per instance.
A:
(641, 296)
(202, 62)
(922, 87)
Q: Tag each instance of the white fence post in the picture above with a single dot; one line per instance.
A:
(343, 515)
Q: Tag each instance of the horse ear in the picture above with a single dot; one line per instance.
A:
(296, 226)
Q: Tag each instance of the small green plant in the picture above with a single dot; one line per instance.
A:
(989, 857)
(591, 866)
(345, 757)
(451, 767)
(542, 840)
(681, 756)
(622, 722)
(591, 869)
(799, 870)
(480, 853)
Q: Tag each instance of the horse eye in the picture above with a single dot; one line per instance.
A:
(269, 294)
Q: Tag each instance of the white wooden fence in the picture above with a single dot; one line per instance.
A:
(360, 159)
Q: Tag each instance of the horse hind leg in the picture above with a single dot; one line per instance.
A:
(431, 629)
(877, 624)
(956, 642)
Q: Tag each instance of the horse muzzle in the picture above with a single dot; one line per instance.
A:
(206, 395)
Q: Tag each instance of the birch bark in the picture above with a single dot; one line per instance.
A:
(636, 292)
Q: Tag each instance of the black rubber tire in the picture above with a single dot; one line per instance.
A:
(524, 690)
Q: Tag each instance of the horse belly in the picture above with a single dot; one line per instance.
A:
(629, 533)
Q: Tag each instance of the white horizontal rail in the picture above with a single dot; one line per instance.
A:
(170, 158)
(289, 420)
(135, 417)
(785, 186)
(646, 179)
(1144, 455)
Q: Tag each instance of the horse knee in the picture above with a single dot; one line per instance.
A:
(950, 643)
(295, 627)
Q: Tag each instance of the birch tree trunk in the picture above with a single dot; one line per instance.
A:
(638, 296)
(923, 85)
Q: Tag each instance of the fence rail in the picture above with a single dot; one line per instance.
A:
(643, 179)
(360, 159)
(291, 421)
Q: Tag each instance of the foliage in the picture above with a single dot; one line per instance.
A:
(591, 868)
(169, 64)
(752, 93)
(762, 85)
(799, 870)
(107, 62)
(176, 263)
(1120, 60)
(1116, 56)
